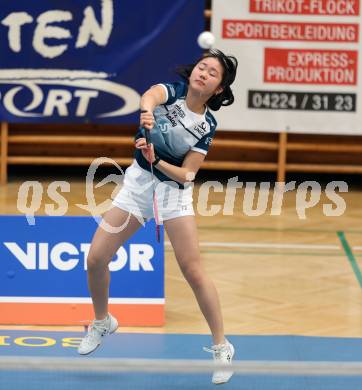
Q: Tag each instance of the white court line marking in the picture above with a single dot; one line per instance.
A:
(117, 365)
(269, 245)
(265, 245)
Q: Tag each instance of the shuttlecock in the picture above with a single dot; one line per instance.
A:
(206, 40)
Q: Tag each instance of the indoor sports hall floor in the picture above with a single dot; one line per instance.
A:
(178, 346)
(290, 290)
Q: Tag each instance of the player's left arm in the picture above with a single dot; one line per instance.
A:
(187, 172)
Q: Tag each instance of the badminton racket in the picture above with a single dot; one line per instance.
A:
(154, 198)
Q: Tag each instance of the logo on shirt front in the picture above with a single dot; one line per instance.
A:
(180, 111)
(172, 90)
(163, 124)
(174, 115)
(201, 129)
(208, 141)
(172, 119)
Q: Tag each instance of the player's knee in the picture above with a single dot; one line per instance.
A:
(194, 275)
(96, 262)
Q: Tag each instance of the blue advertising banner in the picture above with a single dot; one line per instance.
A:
(48, 259)
(90, 60)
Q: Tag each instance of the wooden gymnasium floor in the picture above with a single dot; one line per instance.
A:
(276, 275)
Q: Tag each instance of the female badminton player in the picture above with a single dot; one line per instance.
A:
(178, 118)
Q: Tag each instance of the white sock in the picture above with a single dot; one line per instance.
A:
(100, 322)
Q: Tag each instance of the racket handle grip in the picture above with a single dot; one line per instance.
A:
(146, 131)
(158, 233)
(147, 136)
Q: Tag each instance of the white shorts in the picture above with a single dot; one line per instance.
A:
(136, 196)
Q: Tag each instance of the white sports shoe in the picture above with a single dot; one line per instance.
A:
(96, 331)
(223, 355)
